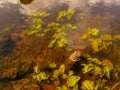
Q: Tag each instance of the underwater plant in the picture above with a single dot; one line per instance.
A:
(101, 42)
(57, 74)
(72, 81)
(68, 80)
(87, 85)
(39, 27)
(39, 76)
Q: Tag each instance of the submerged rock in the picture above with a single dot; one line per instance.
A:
(6, 45)
(73, 58)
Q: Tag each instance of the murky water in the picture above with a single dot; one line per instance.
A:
(103, 14)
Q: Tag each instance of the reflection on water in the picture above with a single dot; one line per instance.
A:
(103, 15)
(10, 14)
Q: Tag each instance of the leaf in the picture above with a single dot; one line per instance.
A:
(36, 69)
(87, 68)
(107, 67)
(36, 78)
(70, 73)
(99, 84)
(63, 87)
(94, 60)
(93, 31)
(56, 74)
(84, 36)
(40, 76)
(97, 70)
(59, 71)
(72, 81)
(43, 76)
(87, 85)
(108, 64)
(62, 68)
(76, 87)
(116, 37)
(52, 65)
(106, 37)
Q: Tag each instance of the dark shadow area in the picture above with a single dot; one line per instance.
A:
(6, 45)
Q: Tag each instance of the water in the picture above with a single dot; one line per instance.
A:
(17, 64)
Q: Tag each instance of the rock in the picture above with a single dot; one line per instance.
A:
(73, 58)
(6, 45)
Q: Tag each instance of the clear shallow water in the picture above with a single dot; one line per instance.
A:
(103, 15)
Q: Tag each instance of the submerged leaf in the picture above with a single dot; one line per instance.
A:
(106, 37)
(87, 68)
(72, 81)
(107, 67)
(52, 65)
(93, 31)
(63, 87)
(36, 69)
(87, 85)
(95, 61)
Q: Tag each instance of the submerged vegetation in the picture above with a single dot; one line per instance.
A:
(101, 42)
(60, 26)
(90, 69)
(101, 71)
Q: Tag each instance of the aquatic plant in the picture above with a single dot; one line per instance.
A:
(36, 24)
(39, 76)
(65, 15)
(101, 70)
(39, 27)
(52, 66)
(87, 85)
(72, 81)
(102, 42)
(107, 67)
(95, 66)
(58, 72)
(93, 85)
